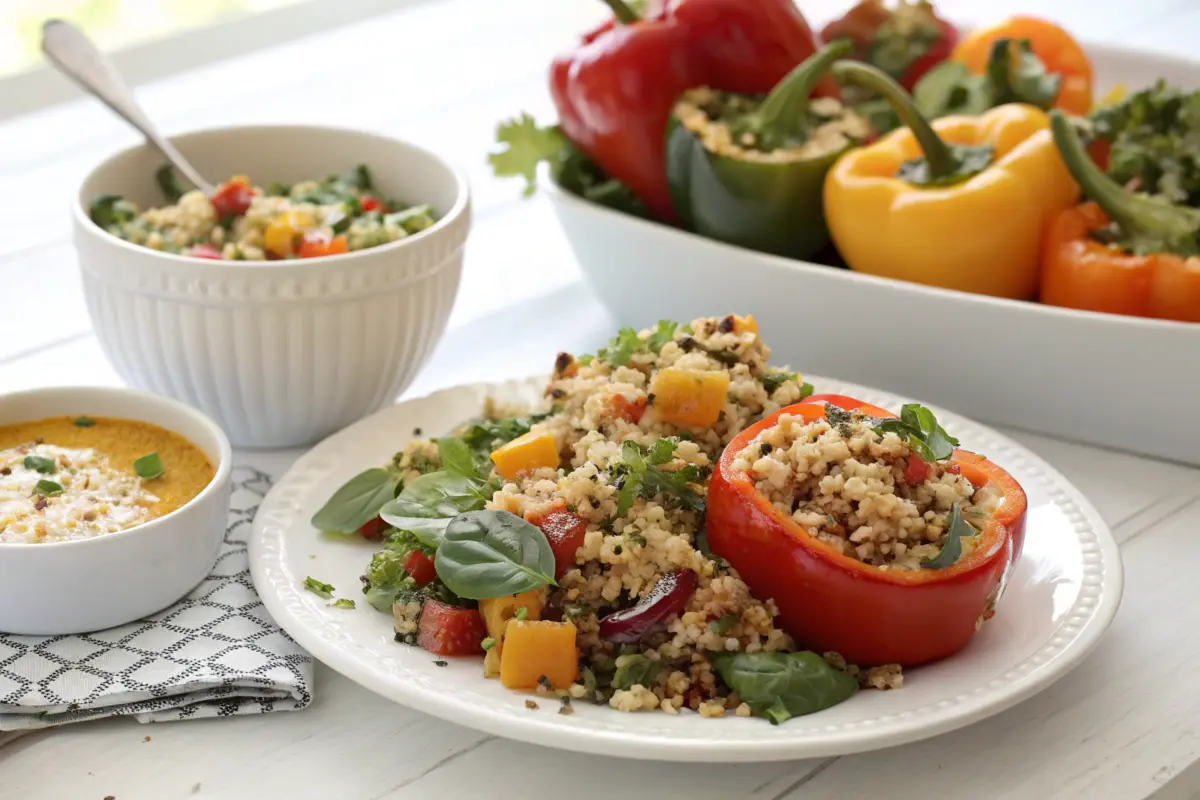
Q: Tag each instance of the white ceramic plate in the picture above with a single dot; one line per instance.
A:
(1062, 597)
(1015, 363)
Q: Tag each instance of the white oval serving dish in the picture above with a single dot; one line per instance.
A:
(1061, 598)
(84, 585)
(281, 353)
(1067, 373)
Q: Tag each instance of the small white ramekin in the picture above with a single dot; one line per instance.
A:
(280, 353)
(85, 585)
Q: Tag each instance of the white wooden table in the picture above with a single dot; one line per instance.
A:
(1126, 724)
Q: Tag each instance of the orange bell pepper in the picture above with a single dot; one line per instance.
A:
(1057, 49)
(829, 601)
(1161, 278)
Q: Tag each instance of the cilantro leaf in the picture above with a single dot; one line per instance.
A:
(918, 426)
(663, 333)
(527, 146)
(640, 475)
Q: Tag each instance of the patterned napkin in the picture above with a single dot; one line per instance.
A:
(215, 653)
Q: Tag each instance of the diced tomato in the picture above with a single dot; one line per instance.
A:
(916, 470)
(233, 196)
(447, 630)
(370, 203)
(628, 410)
(205, 250)
(565, 532)
(372, 529)
(317, 243)
(420, 567)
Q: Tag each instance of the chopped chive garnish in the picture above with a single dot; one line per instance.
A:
(318, 588)
(149, 467)
(522, 613)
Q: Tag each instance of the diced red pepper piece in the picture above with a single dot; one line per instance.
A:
(420, 567)
(372, 529)
(370, 203)
(205, 250)
(917, 470)
(628, 410)
(565, 531)
(447, 630)
(233, 196)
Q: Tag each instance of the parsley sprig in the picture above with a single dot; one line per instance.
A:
(918, 426)
(640, 474)
(627, 343)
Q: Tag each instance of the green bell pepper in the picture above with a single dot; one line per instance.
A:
(750, 171)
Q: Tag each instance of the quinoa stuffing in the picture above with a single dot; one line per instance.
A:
(242, 222)
(565, 545)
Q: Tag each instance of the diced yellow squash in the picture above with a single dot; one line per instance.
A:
(497, 611)
(526, 453)
(491, 662)
(746, 323)
(535, 650)
(282, 233)
(686, 397)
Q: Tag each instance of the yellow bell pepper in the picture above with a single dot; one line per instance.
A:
(283, 233)
(961, 204)
(689, 398)
(525, 454)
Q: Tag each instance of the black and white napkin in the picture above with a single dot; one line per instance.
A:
(216, 653)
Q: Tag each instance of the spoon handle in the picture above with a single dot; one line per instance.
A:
(73, 53)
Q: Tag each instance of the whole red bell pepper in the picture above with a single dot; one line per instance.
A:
(905, 42)
(615, 91)
(831, 602)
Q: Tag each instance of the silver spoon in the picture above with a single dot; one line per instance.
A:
(75, 56)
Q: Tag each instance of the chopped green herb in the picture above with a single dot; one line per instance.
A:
(640, 474)
(48, 488)
(84, 422)
(578, 609)
(343, 602)
(772, 379)
(956, 529)
(440, 663)
(721, 626)
(544, 682)
(111, 210)
(663, 333)
(521, 613)
(149, 467)
(168, 181)
(318, 588)
(635, 669)
(43, 464)
(487, 644)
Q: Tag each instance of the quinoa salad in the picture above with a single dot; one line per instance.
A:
(243, 222)
(566, 546)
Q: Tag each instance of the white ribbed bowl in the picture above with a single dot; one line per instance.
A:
(280, 353)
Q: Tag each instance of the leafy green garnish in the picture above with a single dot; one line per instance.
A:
(780, 686)
(43, 464)
(626, 344)
(957, 527)
(386, 578)
(772, 379)
(635, 669)
(485, 436)
(48, 488)
(921, 430)
(521, 613)
(359, 177)
(525, 145)
(427, 504)
(455, 457)
(640, 474)
(357, 502)
(663, 333)
(84, 422)
(487, 554)
(806, 390)
(149, 467)
(111, 210)
(721, 626)
(487, 644)
(318, 588)
(343, 602)
(169, 183)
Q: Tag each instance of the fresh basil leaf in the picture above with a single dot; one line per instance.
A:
(956, 528)
(780, 686)
(111, 210)
(149, 467)
(48, 488)
(428, 530)
(357, 502)
(456, 457)
(440, 494)
(43, 464)
(487, 554)
(918, 426)
(169, 183)
(359, 177)
(635, 668)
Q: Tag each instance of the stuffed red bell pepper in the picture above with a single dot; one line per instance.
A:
(615, 91)
(905, 41)
(875, 536)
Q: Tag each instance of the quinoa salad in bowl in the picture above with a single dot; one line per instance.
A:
(680, 526)
(243, 222)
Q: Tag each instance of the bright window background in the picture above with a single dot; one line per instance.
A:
(113, 24)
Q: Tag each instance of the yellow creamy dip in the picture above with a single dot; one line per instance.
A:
(91, 487)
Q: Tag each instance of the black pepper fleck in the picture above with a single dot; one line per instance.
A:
(765, 449)
(650, 399)
(416, 431)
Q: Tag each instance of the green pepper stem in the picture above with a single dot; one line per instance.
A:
(1133, 213)
(941, 159)
(783, 110)
(622, 12)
